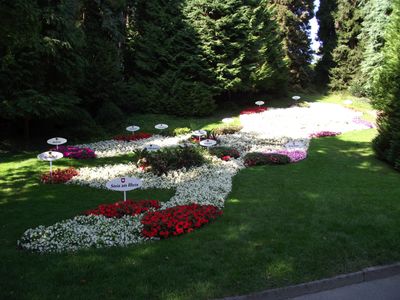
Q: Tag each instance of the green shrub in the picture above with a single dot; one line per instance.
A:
(181, 130)
(224, 151)
(168, 159)
(109, 113)
(228, 129)
(259, 159)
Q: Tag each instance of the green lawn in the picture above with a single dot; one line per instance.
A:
(337, 211)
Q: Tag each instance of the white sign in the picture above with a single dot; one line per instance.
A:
(208, 143)
(227, 120)
(50, 155)
(259, 103)
(296, 98)
(152, 147)
(123, 184)
(161, 126)
(133, 128)
(57, 141)
(199, 132)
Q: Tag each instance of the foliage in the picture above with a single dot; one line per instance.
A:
(181, 130)
(227, 129)
(258, 159)
(386, 91)
(328, 39)
(294, 20)
(347, 54)
(224, 151)
(377, 13)
(75, 152)
(240, 43)
(168, 159)
(132, 137)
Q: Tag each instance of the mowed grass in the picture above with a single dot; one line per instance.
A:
(335, 212)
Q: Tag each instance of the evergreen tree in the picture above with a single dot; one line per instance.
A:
(347, 55)
(386, 91)
(40, 66)
(328, 39)
(104, 83)
(164, 61)
(377, 14)
(294, 18)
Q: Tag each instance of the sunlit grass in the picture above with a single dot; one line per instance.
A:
(335, 212)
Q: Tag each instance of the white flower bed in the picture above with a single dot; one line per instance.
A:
(83, 232)
(110, 148)
(300, 122)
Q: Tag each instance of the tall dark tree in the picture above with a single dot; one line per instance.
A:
(166, 70)
(40, 63)
(377, 13)
(104, 83)
(386, 92)
(294, 18)
(347, 55)
(328, 39)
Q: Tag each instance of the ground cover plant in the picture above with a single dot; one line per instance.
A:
(281, 225)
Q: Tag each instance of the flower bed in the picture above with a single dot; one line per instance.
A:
(59, 175)
(259, 159)
(123, 208)
(225, 153)
(75, 152)
(255, 110)
(323, 134)
(178, 220)
(132, 137)
(294, 155)
(83, 232)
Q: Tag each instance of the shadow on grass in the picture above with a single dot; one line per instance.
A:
(335, 212)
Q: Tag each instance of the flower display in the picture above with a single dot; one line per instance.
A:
(132, 137)
(178, 220)
(258, 159)
(75, 152)
(323, 134)
(254, 110)
(358, 120)
(225, 153)
(294, 155)
(59, 175)
(83, 232)
(123, 208)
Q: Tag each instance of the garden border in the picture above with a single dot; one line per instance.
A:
(366, 274)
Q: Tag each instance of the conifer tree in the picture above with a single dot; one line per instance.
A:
(328, 39)
(386, 92)
(294, 18)
(376, 18)
(165, 68)
(347, 55)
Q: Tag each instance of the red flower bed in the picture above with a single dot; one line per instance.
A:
(123, 208)
(178, 220)
(59, 175)
(250, 111)
(323, 134)
(132, 137)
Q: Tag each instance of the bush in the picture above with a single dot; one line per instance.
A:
(259, 159)
(165, 160)
(224, 152)
(228, 129)
(181, 130)
(109, 113)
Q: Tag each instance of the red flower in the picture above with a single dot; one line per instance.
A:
(59, 175)
(255, 110)
(226, 157)
(122, 208)
(132, 137)
(178, 220)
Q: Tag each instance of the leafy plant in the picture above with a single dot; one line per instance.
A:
(258, 159)
(228, 129)
(169, 159)
(224, 151)
(181, 130)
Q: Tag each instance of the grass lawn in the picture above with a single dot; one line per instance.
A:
(337, 211)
